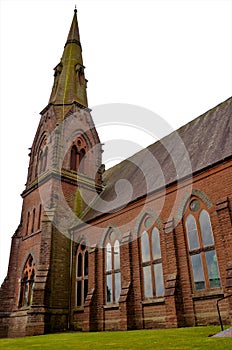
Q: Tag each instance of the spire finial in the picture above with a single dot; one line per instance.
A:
(75, 10)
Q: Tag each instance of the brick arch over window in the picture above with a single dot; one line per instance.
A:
(151, 256)
(184, 203)
(112, 285)
(27, 283)
(78, 153)
(201, 248)
(151, 217)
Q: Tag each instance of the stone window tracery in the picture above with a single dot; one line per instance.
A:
(112, 268)
(27, 283)
(200, 240)
(152, 269)
(82, 265)
(77, 155)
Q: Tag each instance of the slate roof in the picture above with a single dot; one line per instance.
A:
(197, 145)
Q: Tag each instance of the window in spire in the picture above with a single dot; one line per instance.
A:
(39, 217)
(73, 159)
(33, 221)
(81, 160)
(28, 223)
(77, 155)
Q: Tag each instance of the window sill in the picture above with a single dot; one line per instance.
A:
(79, 309)
(111, 306)
(155, 301)
(208, 294)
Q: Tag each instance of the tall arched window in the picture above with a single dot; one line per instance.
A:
(28, 223)
(82, 266)
(153, 282)
(202, 254)
(81, 160)
(73, 158)
(27, 283)
(42, 158)
(39, 217)
(112, 268)
(77, 155)
(33, 221)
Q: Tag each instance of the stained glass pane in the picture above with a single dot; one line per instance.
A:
(79, 293)
(206, 230)
(198, 273)
(159, 280)
(145, 247)
(156, 244)
(212, 267)
(116, 255)
(109, 291)
(86, 265)
(108, 257)
(148, 292)
(85, 288)
(192, 232)
(79, 265)
(117, 286)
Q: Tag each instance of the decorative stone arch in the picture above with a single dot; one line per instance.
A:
(112, 227)
(26, 256)
(197, 193)
(81, 239)
(148, 214)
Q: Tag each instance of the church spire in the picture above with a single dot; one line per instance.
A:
(69, 79)
(74, 36)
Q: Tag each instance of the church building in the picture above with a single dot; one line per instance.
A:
(145, 244)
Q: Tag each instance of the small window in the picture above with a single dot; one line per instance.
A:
(73, 159)
(39, 217)
(201, 247)
(82, 274)
(81, 161)
(113, 274)
(28, 223)
(33, 221)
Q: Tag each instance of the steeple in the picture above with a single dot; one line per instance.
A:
(69, 79)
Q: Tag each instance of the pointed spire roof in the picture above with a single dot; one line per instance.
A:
(69, 82)
(74, 36)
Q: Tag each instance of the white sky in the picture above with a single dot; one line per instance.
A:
(172, 57)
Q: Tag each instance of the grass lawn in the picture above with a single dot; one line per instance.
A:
(165, 339)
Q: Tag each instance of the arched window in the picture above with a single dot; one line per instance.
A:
(42, 158)
(112, 268)
(153, 282)
(202, 254)
(33, 221)
(73, 158)
(81, 160)
(82, 266)
(77, 155)
(27, 283)
(28, 222)
(39, 217)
